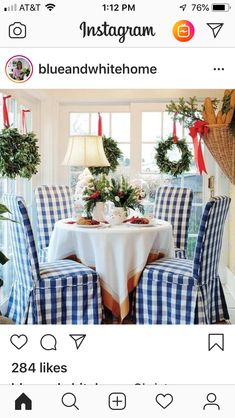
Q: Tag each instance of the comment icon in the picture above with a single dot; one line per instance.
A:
(48, 342)
(69, 400)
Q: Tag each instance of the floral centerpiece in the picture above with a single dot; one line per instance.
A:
(123, 194)
(96, 191)
(83, 179)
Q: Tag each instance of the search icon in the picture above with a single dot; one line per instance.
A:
(69, 400)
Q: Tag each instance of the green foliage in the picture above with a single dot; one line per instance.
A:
(3, 258)
(96, 191)
(19, 154)
(112, 152)
(232, 125)
(123, 194)
(3, 209)
(187, 111)
(226, 107)
(174, 168)
(226, 103)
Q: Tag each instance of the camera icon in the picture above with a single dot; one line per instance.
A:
(17, 30)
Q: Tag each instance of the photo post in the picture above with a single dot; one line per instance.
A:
(117, 208)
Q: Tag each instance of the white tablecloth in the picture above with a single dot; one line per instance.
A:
(118, 254)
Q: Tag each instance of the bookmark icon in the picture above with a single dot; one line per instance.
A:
(78, 339)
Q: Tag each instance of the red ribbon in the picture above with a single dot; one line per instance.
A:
(99, 125)
(5, 112)
(24, 125)
(199, 128)
(174, 136)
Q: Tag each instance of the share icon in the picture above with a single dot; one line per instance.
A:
(216, 28)
(78, 339)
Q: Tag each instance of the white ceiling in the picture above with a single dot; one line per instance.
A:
(65, 96)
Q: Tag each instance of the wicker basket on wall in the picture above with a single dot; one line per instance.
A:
(221, 144)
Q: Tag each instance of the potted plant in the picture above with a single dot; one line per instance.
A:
(124, 196)
(95, 195)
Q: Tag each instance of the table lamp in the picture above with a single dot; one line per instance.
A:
(85, 151)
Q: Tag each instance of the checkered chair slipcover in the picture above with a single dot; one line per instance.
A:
(180, 291)
(173, 204)
(53, 203)
(63, 292)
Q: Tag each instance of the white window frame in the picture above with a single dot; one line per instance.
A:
(22, 187)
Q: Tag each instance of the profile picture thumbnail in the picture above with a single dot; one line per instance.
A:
(19, 69)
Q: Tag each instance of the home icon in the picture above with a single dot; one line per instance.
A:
(23, 402)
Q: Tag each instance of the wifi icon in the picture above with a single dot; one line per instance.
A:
(50, 6)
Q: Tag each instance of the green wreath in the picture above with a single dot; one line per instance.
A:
(173, 167)
(112, 152)
(19, 154)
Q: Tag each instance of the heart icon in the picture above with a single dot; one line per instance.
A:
(19, 341)
(164, 400)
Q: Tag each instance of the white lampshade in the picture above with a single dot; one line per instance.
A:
(85, 151)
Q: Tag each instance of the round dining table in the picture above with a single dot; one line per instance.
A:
(117, 253)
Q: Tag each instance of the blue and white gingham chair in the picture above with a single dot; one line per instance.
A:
(173, 204)
(53, 203)
(180, 291)
(63, 292)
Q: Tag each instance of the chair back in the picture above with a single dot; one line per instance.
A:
(53, 203)
(25, 258)
(209, 241)
(173, 204)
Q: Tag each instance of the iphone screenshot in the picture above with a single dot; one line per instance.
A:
(117, 209)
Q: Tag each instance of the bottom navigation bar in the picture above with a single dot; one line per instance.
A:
(130, 400)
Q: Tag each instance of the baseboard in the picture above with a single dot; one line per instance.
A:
(230, 282)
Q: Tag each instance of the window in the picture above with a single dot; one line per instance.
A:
(151, 123)
(157, 125)
(20, 186)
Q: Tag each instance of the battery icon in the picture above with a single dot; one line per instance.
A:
(220, 7)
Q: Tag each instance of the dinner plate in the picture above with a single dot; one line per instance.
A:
(90, 226)
(141, 225)
(104, 225)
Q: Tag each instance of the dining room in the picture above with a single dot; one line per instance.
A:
(117, 206)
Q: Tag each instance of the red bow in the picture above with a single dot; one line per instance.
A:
(99, 125)
(24, 125)
(174, 136)
(5, 112)
(199, 128)
(94, 195)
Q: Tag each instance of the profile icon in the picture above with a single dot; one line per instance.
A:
(211, 399)
(19, 69)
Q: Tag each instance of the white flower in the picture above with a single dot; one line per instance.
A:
(81, 183)
(117, 198)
